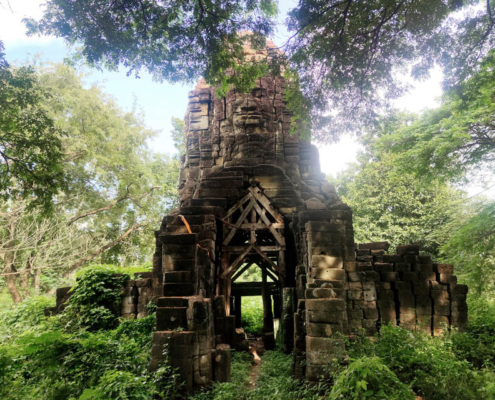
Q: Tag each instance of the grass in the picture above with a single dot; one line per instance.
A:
(274, 381)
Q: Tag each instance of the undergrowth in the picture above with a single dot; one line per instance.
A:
(82, 354)
(274, 381)
(252, 315)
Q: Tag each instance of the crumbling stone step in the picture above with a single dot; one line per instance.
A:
(171, 318)
(178, 289)
(163, 302)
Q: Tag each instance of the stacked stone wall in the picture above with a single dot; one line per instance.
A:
(405, 289)
(135, 296)
(325, 246)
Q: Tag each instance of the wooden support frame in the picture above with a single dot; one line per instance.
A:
(254, 212)
(232, 267)
(241, 271)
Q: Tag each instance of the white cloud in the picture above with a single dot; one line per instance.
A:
(13, 30)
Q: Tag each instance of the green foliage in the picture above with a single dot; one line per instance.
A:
(26, 316)
(252, 274)
(350, 54)
(105, 210)
(273, 380)
(472, 250)
(235, 389)
(369, 378)
(457, 137)
(477, 344)
(391, 205)
(95, 301)
(176, 41)
(70, 357)
(252, 315)
(345, 54)
(30, 143)
(429, 365)
(108, 364)
(179, 135)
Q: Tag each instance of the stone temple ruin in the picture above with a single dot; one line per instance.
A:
(253, 194)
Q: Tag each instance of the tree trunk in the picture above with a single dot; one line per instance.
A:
(11, 279)
(25, 276)
(37, 281)
(8, 261)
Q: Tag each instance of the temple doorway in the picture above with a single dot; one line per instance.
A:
(253, 247)
(257, 311)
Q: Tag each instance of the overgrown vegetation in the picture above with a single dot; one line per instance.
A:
(396, 364)
(273, 380)
(252, 315)
(69, 149)
(90, 358)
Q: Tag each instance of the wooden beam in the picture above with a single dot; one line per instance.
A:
(274, 232)
(238, 204)
(265, 257)
(266, 203)
(272, 273)
(239, 222)
(253, 221)
(241, 271)
(252, 288)
(240, 249)
(257, 226)
(237, 262)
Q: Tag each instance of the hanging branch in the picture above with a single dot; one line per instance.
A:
(113, 204)
(91, 256)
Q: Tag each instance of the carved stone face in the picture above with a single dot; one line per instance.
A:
(249, 116)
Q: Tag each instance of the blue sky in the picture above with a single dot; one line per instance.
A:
(162, 101)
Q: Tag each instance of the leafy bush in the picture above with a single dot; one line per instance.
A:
(428, 364)
(368, 377)
(252, 315)
(57, 365)
(95, 301)
(477, 344)
(23, 317)
(76, 355)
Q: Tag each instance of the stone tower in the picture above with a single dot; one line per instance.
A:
(253, 194)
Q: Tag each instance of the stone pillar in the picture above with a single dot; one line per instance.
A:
(222, 363)
(268, 330)
(238, 311)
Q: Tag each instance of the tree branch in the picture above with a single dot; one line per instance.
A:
(90, 257)
(112, 204)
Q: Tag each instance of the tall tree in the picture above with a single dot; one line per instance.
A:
(349, 53)
(175, 40)
(345, 55)
(117, 189)
(455, 139)
(394, 206)
(179, 135)
(30, 143)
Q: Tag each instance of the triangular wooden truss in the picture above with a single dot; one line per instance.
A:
(254, 208)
